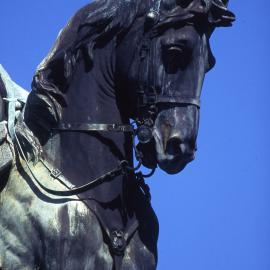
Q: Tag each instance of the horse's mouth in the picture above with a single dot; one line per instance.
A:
(175, 164)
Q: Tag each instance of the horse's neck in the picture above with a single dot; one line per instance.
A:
(84, 156)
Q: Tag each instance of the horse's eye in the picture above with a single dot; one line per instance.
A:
(175, 56)
(175, 51)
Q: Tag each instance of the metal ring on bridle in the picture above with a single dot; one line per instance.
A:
(149, 174)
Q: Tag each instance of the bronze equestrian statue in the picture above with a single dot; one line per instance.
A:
(124, 77)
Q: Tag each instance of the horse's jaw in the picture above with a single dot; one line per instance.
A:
(174, 165)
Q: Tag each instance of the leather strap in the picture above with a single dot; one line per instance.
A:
(55, 173)
(88, 127)
(155, 99)
(179, 100)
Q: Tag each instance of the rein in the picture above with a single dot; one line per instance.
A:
(122, 168)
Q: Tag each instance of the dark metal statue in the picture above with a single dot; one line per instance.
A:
(71, 197)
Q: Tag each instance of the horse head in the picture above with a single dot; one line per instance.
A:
(162, 61)
(161, 55)
(115, 60)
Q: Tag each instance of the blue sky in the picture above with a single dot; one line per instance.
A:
(215, 215)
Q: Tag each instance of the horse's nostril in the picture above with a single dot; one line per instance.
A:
(173, 146)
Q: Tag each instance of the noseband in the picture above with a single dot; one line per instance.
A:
(148, 100)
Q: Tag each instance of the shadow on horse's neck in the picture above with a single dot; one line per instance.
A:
(92, 98)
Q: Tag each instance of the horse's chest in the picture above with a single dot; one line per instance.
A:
(59, 234)
(72, 238)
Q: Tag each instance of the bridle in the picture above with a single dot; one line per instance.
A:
(147, 107)
(148, 97)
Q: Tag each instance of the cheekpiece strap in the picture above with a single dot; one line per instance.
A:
(153, 14)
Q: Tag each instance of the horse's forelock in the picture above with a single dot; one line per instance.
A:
(215, 11)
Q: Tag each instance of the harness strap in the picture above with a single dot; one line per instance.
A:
(55, 173)
(120, 169)
(89, 127)
(117, 239)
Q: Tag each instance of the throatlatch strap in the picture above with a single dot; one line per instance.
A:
(88, 127)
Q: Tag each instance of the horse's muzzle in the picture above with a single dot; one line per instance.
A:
(175, 156)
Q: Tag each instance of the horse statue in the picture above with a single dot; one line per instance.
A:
(123, 81)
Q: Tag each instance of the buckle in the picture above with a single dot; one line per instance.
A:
(119, 128)
(144, 134)
(55, 173)
(118, 242)
(112, 127)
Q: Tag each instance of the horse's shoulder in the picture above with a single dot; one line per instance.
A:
(28, 213)
(49, 211)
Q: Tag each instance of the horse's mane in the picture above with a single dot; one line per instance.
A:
(92, 24)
